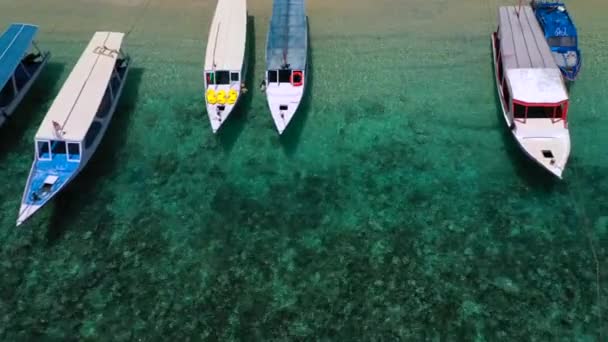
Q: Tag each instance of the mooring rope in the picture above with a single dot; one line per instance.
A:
(139, 17)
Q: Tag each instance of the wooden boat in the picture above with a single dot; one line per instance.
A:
(532, 93)
(225, 60)
(77, 120)
(286, 60)
(20, 65)
(561, 35)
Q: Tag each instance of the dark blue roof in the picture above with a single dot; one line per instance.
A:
(288, 35)
(555, 23)
(14, 43)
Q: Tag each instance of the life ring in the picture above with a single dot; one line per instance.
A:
(211, 96)
(221, 97)
(300, 78)
(232, 96)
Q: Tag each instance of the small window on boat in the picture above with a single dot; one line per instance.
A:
(500, 69)
(272, 76)
(547, 154)
(210, 78)
(44, 149)
(519, 111)
(234, 76)
(507, 95)
(58, 147)
(284, 76)
(73, 151)
(540, 112)
(222, 77)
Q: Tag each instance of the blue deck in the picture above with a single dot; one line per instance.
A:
(561, 35)
(59, 166)
(288, 37)
(14, 43)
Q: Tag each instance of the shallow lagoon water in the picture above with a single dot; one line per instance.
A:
(396, 207)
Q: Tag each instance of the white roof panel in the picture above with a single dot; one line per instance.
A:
(537, 85)
(227, 36)
(77, 103)
(522, 41)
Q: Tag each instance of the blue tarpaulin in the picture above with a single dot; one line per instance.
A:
(288, 37)
(14, 43)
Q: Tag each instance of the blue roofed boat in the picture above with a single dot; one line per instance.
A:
(561, 35)
(286, 60)
(20, 65)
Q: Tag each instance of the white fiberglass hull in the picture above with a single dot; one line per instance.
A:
(284, 100)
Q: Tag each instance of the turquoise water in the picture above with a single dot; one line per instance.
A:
(396, 207)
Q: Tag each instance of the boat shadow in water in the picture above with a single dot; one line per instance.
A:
(87, 187)
(31, 110)
(528, 170)
(291, 136)
(231, 130)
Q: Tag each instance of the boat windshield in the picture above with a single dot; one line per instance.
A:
(522, 112)
(218, 77)
(562, 41)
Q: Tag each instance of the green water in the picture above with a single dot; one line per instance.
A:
(396, 207)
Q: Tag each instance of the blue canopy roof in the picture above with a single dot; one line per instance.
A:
(14, 43)
(555, 19)
(288, 37)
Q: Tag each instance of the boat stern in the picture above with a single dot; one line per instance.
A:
(283, 101)
(569, 63)
(44, 182)
(220, 101)
(550, 152)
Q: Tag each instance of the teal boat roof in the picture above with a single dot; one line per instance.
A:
(288, 37)
(14, 43)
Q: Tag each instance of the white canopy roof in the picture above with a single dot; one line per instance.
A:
(537, 85)
(77, 103)
(227, 36)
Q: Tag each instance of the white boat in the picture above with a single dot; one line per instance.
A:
(21, 62)
(225, 60)
(532, 92)
(77, 120)
(286, 60)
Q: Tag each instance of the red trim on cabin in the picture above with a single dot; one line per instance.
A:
(555, 118)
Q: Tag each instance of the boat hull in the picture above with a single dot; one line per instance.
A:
(28, 206)
(534, 146)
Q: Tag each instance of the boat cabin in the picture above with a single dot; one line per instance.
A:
(530, 83)
(281, 76)
(83, 106)
(222, 77)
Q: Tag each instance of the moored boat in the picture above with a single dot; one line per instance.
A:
(226, 60)
(286, 60)
(76, 121)
(561, 35)
(21, 62)
(532, 93)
